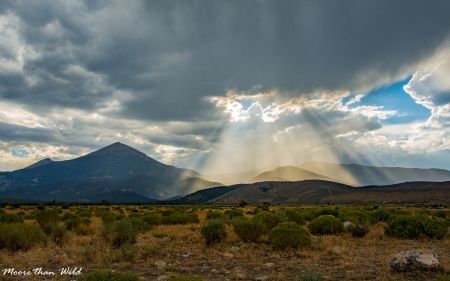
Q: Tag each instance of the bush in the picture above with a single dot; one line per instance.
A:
(120, 232)
(152, 219)
(440, 214)
(326, 225)
(10, 218)
(56, 233)
(214, 231)
(415, 227)
(357, 230)
(76, 222)
(328, 212)
(382, 214)
(289, 234)
(20, 236)
(67, 216)
(248, 230)
(47, 216)
(356, 217)
(184, 277)
(179, 217)
(109, 218)
(141, 225)
(270, 220)
(233, 213)
(215, 215)
(310, 275)
(295, 216)
(108, 276)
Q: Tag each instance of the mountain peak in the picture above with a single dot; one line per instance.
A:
(40, 163)
(118, 149)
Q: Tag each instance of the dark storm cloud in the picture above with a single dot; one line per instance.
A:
(169, 55)
(10, 132)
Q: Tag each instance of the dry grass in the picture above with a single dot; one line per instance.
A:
(354, 258)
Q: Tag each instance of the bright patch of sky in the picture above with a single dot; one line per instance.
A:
(394, 97)
(19, 153)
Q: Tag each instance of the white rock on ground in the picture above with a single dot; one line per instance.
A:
(421, 259)
(160, 264)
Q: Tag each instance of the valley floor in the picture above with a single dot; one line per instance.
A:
(184, 251)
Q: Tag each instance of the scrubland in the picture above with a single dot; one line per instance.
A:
(154, 241)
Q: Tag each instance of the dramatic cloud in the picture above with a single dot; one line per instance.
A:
(182, 79)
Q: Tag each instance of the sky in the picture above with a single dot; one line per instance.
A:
(227, 86)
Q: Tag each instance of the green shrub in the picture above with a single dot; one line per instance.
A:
(120, 232)
(440, 214)
(67, 216)
(179, 217)
(109, 276)
(248, 230)
(18, 236)
(326, 225)
(10, 218)
(233, 213)
(310, 275)
(214, 231)
(109, 218)
(382, 214)
(152, 219)
(270, 220)
(358, 230)
(215, 215)
(289, 234)
(356, 217)
(399, 213)
(47, 216)
(84, 213)
(328, 212)
(415, 227)
(443, 278)
(184, 277)
(76, 222)
(57, 233)
(308, 215)
(128, 252)
(141, 225)
(295, 216)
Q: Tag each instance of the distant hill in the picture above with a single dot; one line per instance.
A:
(115, 167)
(289, 173)
(236, 178)
(360, 175)
(321, 192)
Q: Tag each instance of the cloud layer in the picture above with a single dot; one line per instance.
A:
(180, 79)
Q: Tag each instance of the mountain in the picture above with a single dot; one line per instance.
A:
(299, 192)
(115, 167)
(40, 163)
(289, 173)
(235, 178)
(321, 192)
(359, 175)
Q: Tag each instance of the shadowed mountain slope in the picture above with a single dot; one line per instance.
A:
(114, 167)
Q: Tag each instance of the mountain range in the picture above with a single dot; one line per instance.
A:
(119, 173)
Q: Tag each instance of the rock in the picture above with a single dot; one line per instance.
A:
(269, 264)
(275, 256)
(237, 268)
(186, 269)
(421, 259)
(347, 224)
(214, 270)
(281, 269)
(162, 278)
(336, 250)
(160, 264)
(139, 244)
(186, 255)
(166, 239)
(228, 255)
(257, 268)
(262, 278)
(234, 249)
(225, 271)
(240, 276)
